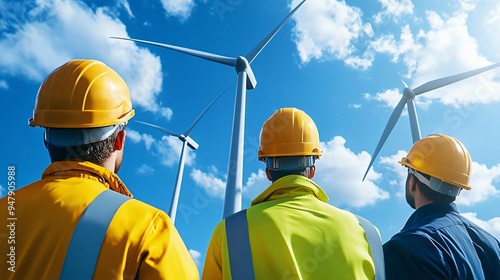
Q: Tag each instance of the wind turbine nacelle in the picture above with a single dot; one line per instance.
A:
(243, 65)
(408, 93)
(190, 142)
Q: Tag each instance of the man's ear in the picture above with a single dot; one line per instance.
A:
(312, 171)
(268, 174)
(413, 183)
(120, 141)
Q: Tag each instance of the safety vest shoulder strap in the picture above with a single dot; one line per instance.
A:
(375, 243)
(88, 236)
(238, 246)
(240, 252)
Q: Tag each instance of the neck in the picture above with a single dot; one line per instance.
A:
(421, 200)
(109, 163)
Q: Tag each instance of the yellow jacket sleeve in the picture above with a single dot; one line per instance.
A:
(213, 268)
(163, 254)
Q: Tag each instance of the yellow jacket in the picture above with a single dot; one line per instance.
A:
(294, 234)
(141, 240)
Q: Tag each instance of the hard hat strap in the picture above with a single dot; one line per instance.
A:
(436, 184)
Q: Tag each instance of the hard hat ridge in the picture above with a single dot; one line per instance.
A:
(442, 157)
(82, 94)
(289, 132)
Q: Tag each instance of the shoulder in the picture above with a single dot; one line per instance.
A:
(412, 245)
(477, 233)
(141, 219)
(399, 243)
(141, 206)
(413, 256)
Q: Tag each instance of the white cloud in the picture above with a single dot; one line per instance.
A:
(178, 8)
(167, 149)
(134, 136)
(492, 226)
(391, 97)
(53, 32)
(145, 169)
(492, 19)
(212, 185)
(196, 257)
(256, 183)
(394, 9)
(216, 187)
(327, 30)
(396, 178)
(434, 53)
(126, 6)
(166, 112)
(441, 56)
(340, 179)
(137, 137)
(340, 172)
(468, 5)
(389, 45)
(148, 141)
(3, 84)
(481, 181)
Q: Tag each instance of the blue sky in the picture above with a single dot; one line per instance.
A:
(341, 62)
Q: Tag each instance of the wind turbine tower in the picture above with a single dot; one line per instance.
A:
(246, 80)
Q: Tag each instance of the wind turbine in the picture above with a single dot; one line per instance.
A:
(186, 141)
(246, 80)
(408, 99)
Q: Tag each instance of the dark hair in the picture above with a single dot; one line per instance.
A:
(431, 194)
(96, 152)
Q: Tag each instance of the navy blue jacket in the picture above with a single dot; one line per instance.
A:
(438, 243)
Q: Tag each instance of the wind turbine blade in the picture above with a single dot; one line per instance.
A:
(206, 109)
(451, 79)
(257, 49)
(201, 54)
(387, 130)
(160, 128)
(412, 113)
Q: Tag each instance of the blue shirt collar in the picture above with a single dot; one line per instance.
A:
(428, 212)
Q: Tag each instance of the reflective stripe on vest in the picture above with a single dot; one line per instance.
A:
(238, 246)
(86, 242)
(240, 252)
(375, 245)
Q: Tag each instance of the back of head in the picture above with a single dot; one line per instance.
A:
(442, 163)
(289, 143)
(81, 103)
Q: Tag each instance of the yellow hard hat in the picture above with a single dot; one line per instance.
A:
(442, 157)
(82, 94)
(289, 132)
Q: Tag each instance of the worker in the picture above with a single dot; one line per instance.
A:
(290, 232)
(80, 221)
(436, 241)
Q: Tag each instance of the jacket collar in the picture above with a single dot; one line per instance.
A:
(291, 185)
(86, 169)
(428, 212)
